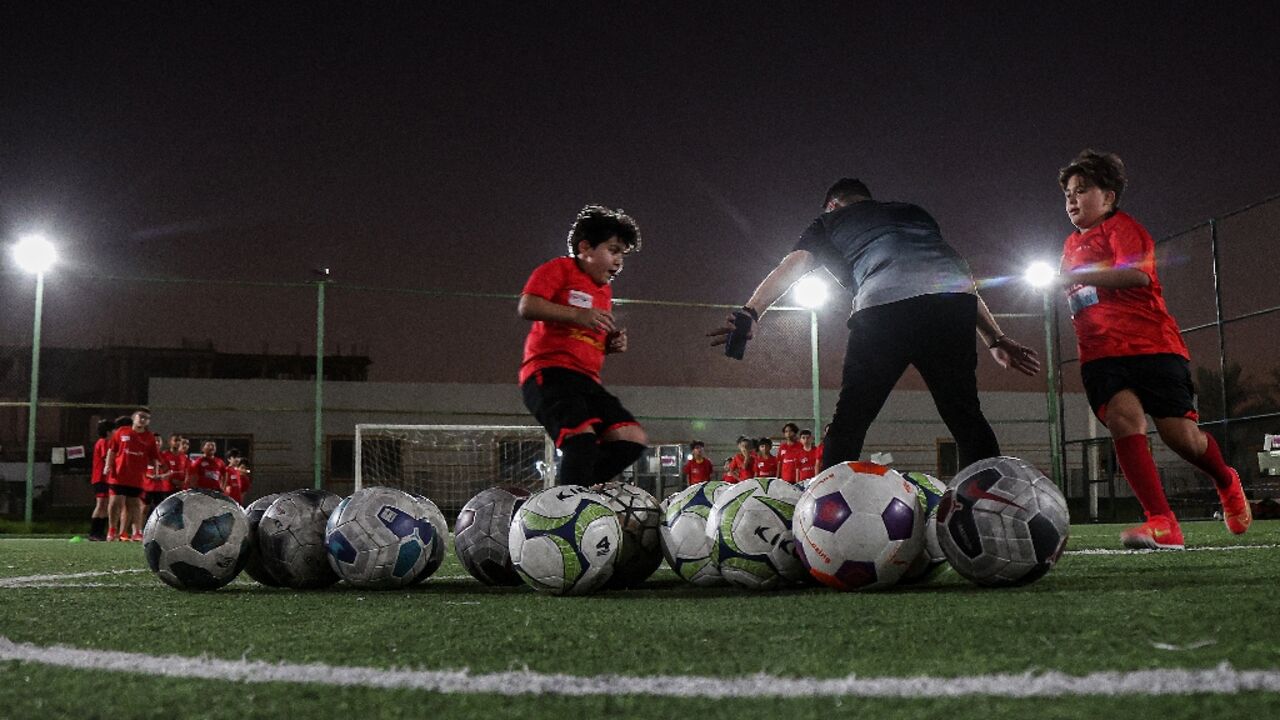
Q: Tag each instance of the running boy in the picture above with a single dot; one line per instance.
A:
(1132, 358)
(699, 467)
(570, 303)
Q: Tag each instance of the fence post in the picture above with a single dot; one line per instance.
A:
(34, 401)
(817, 386)
(318, 456)
(1051, 391)
(1222, 339)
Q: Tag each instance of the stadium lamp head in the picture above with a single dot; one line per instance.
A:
(1039, 274)
(810, 292)
(34, 254)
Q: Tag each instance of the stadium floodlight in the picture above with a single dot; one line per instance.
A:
(810, 292)
(1039, 274)
(34, 254)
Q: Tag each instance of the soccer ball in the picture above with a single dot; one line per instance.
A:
(196, 540)
(1002, 522)
(481, 532)
(381, 538)
(254, 566)
(437, 551)
(640, 517)
(750, 531)
(291, 536)
(859, 526)
(565, 540)
(931, 560)
(684, 532)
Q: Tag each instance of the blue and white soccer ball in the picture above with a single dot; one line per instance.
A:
(859, 526)
(565, 540)
(684, 532)
(381, 538)
(291, 539)
(931, 561)
(750, 531)
(196, 540)
(436, 558)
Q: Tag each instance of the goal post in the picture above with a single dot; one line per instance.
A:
(449, 464)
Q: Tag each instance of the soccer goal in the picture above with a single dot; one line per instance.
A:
(449, 464)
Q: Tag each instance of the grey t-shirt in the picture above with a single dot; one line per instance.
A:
(886, 252)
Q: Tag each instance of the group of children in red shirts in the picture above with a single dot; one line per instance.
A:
(131, 475)
(797, 460)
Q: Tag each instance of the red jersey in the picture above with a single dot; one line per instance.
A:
(807, 463)
(207, 472)
(1118, 322)
(766, 466)
(99, 461)
(741, 468)
(238, 482)
(554, 344)
(698, 470)
(156, 473)
(787, 460)
(177, 475)
(132, 452)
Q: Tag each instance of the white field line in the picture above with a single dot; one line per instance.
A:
(45, 580)
(1222, 680)
(1207, 548)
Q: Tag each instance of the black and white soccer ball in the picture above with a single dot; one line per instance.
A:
(564, 540)
(254, 567)
(382, 538)
(641, 519)
(481, 532)
(1002, 522)
(196, 540)
(291, 537)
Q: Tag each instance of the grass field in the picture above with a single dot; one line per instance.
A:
(1097, 612)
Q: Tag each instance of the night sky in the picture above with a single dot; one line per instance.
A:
(409, 145)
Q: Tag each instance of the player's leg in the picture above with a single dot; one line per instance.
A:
(135, 517)
(98, 518)
(1126, 421)
(874, 359)
(1199, 448)
(557, 398)
(115, 507)
(622, 440)
(947, 358)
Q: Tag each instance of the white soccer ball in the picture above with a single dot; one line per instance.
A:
(436, 557)
(382, 538)
(565, 540)
(196, 540)
(859, 526)
(931, 561)
(291, 538)
(1002, 522)
(750, 531)
(685, 543)
(640, 517)
(481, 532)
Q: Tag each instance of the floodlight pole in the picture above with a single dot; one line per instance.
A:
(817, 387)
(32, 403)
(1051, 389)
(317, 460)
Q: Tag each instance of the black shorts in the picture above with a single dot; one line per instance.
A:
(99, 489)
(129, 491)
(567, 403)
(1162, 383)
(155, 497)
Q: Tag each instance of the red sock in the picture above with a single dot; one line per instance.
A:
(1140, 470)
(1212, 463)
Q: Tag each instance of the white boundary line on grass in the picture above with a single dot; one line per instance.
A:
(1205, 548)
(1222, 680)
(51, 580)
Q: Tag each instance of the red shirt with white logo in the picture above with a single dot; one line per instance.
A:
(787, 460)
(177, 475)
(238, 482)
(766, 465)
(562, 345)
(1116, 322)
(741, 468)
(132, 452)
(807, 463)
(698, 470)
(99, 461)
(207, 472)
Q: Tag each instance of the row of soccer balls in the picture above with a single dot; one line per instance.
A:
(856, 526)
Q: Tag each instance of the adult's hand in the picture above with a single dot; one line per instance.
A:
(1012, 354)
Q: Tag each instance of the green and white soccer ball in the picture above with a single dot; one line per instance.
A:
(685, 543)
(565, 540)
(750, 531)
(382, 538)
(930, 561)
(196, 540)
(640, 517)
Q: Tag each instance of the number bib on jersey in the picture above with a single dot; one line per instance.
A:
(1081, 298)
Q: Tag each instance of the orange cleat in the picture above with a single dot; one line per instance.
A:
(1161, 532)
(124, 537)
(1235, 507)
(111, 536)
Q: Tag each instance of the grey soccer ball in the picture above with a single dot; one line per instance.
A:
(196, 540)
(291, 538)
(641, 518)
(254, 566)
(481, 532)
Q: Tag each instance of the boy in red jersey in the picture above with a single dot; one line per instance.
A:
(766, 462)
(1132, 358)
(808, 457)
(129, 452)
(178, 461)
(786, 458)
(742, 466)
(98, 479)
(570, 303)
(238, 480)
(207, 471)
(699, 468)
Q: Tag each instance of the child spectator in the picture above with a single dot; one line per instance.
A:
(808, 458)
(238, 478)
(786, 458)
(98, 480)
(742, 465)
(766, 463)
(699, 468)
(129, 452)
(207, 471)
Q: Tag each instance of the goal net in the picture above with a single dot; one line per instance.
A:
(449, 464)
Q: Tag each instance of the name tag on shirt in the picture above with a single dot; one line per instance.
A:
(577, 298)
(1081, 298)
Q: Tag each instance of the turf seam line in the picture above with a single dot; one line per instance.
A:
(1220, 680)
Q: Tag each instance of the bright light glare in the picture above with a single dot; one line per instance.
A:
(810, 292)
(34, 254)
(1039, 274)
